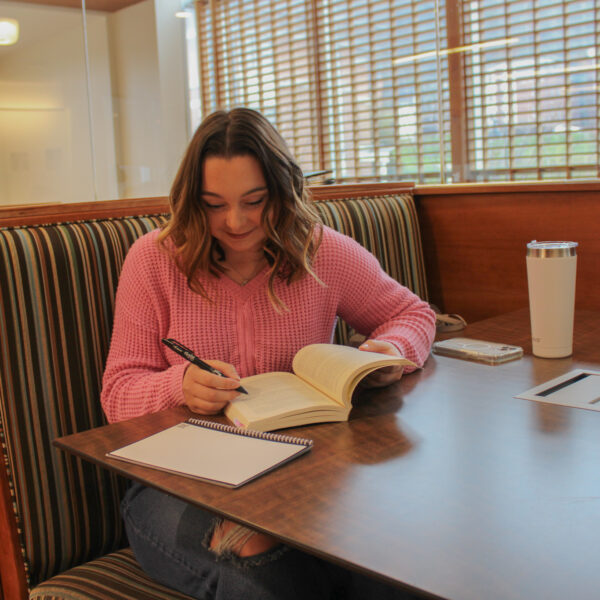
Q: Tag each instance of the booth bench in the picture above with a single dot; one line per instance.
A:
(60, 526)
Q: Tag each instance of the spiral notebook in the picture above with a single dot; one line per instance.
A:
(213, 452)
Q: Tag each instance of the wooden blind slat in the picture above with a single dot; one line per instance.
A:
(353, 86)
(526, 94)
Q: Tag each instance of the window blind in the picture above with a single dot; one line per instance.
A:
(428, 91)
(381, 107)
(260, 54)
(532, 99)
(331, 76)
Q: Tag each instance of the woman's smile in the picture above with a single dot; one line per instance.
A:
(235, 194)
(239, 236)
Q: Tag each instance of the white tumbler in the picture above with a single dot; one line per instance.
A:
(551, 270)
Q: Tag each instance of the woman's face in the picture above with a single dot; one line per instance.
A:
(234, 192)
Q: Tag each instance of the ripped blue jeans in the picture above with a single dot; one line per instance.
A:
(170, 539)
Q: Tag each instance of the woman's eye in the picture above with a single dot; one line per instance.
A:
(256, 202)
(213, 206)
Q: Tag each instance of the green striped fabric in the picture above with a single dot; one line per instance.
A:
(57, 287)
(114, 577)
(387, 226)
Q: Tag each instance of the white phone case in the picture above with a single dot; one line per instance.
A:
(492, 353)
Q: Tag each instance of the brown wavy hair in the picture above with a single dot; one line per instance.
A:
(289, 221)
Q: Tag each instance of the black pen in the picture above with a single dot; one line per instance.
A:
(189, 355)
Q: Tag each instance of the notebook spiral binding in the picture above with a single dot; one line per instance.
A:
(263, 435)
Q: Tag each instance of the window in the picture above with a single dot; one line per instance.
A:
(428, 91)
(532, 96)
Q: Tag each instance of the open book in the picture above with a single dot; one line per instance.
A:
(319, 390)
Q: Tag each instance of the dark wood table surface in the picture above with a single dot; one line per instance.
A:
(443, 483)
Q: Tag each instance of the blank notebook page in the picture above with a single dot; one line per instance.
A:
(219, 456)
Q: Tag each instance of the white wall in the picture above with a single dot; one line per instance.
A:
(45, 148)
(102, 109)
(149, 85)
(139, 109)
(136, 98)
(173, 83)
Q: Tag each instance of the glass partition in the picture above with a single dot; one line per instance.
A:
(93, 100)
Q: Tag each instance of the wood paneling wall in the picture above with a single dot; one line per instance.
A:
(475, 236)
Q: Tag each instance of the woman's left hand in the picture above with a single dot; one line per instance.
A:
(386, 375)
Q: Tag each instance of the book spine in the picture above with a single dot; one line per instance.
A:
(263, 435)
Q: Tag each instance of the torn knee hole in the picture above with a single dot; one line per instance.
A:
(229, 538)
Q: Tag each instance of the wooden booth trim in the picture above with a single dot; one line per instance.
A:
(12, 565)
(39, 214)
(353, 190)
(460, 189)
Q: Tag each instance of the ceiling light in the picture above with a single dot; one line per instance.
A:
(9, 32)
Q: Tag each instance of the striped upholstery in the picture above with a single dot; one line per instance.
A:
(389, 228)
(57, 292)
(57, 287)
(114, 577)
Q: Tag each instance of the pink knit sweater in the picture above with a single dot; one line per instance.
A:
(240, 325)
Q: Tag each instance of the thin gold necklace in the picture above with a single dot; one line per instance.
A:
(241, 280)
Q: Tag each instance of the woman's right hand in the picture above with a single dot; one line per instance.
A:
(206, 393)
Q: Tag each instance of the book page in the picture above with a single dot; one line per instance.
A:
(336, 370)
(275, 394)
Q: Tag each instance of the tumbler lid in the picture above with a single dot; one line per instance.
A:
(551, 249)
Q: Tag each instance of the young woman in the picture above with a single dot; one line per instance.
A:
(245, 275)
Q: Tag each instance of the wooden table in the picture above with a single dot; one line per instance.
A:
(444, 483)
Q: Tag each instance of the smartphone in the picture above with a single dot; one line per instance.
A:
(491, 353)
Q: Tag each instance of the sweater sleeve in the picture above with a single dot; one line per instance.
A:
(376, 305)
(137, 377)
